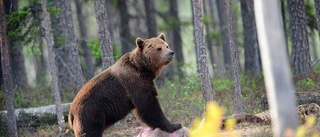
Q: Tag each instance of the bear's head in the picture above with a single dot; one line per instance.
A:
(154, 52)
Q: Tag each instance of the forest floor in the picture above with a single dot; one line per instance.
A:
(181, 101)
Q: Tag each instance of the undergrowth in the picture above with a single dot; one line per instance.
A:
(181, 99)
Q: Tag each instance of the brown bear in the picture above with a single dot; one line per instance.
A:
(126, 85)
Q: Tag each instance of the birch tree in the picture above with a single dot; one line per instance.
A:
(201, 52)
(52, 66)
(7, 78)
(275, 65)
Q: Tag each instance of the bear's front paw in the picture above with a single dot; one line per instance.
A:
(172, 127)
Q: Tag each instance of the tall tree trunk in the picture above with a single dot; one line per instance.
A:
(252, 61)
(284, 20)
(209, 37)
(65, 77)
(317, 8)
(176, 36)
(224, 36)
(201, 52)
(52, 66)
(218, 47)
(40, 63)
(39, 58)
(151, 18)
(273, 54)
(234, 58)
(19, 75)
(299, 38)
(6, 68)
(125, 33)
(104, 34)
(89, 71)
(72, 48)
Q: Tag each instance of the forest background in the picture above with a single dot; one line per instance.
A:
(75, 32)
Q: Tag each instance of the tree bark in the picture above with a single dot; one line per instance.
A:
(125, 33)
(252, 59)
(150, 18)
(39, 58)
(72, 48)
(221, 69)
(201, 52)
(7, 78)
(299, 38)
(209, 38)
(176, 36)
(52, 66)
(273, 54)
(40, 63)
(18, 70)
(224, 36)
(317, 8)
(65, 77)
(104, 34)
(285, 28)
(234, 58)
(36, 116)
(89, 71)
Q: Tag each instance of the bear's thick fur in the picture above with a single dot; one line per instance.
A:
(126, 85)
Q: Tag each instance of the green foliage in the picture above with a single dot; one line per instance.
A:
(170, 23)
(316, 68)
(24, 25)
(223, 85)
(94, 48)
(206, 20)
(33, 97)
(32, 48)
(116, 51)
(53, 10)
(215, 34)
(305, 85)
(310, 14)
(114, 2)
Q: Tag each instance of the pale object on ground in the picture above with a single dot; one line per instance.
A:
(148, 132)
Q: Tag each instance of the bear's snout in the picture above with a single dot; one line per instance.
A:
(171, 53)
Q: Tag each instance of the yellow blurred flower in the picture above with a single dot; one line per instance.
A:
(211, 124)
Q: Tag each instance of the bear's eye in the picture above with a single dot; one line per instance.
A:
(159, 49)
(167, 47)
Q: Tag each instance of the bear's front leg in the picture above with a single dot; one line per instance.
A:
(148, 109)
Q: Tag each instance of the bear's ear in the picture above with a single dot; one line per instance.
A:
(162, 36)
(139, 43)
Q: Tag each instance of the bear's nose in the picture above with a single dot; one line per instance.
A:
(171, 53)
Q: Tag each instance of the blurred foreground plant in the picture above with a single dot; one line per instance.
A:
(211, 124)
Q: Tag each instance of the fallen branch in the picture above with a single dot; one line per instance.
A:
(301, 97)
(36, 116)
(302, 112)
